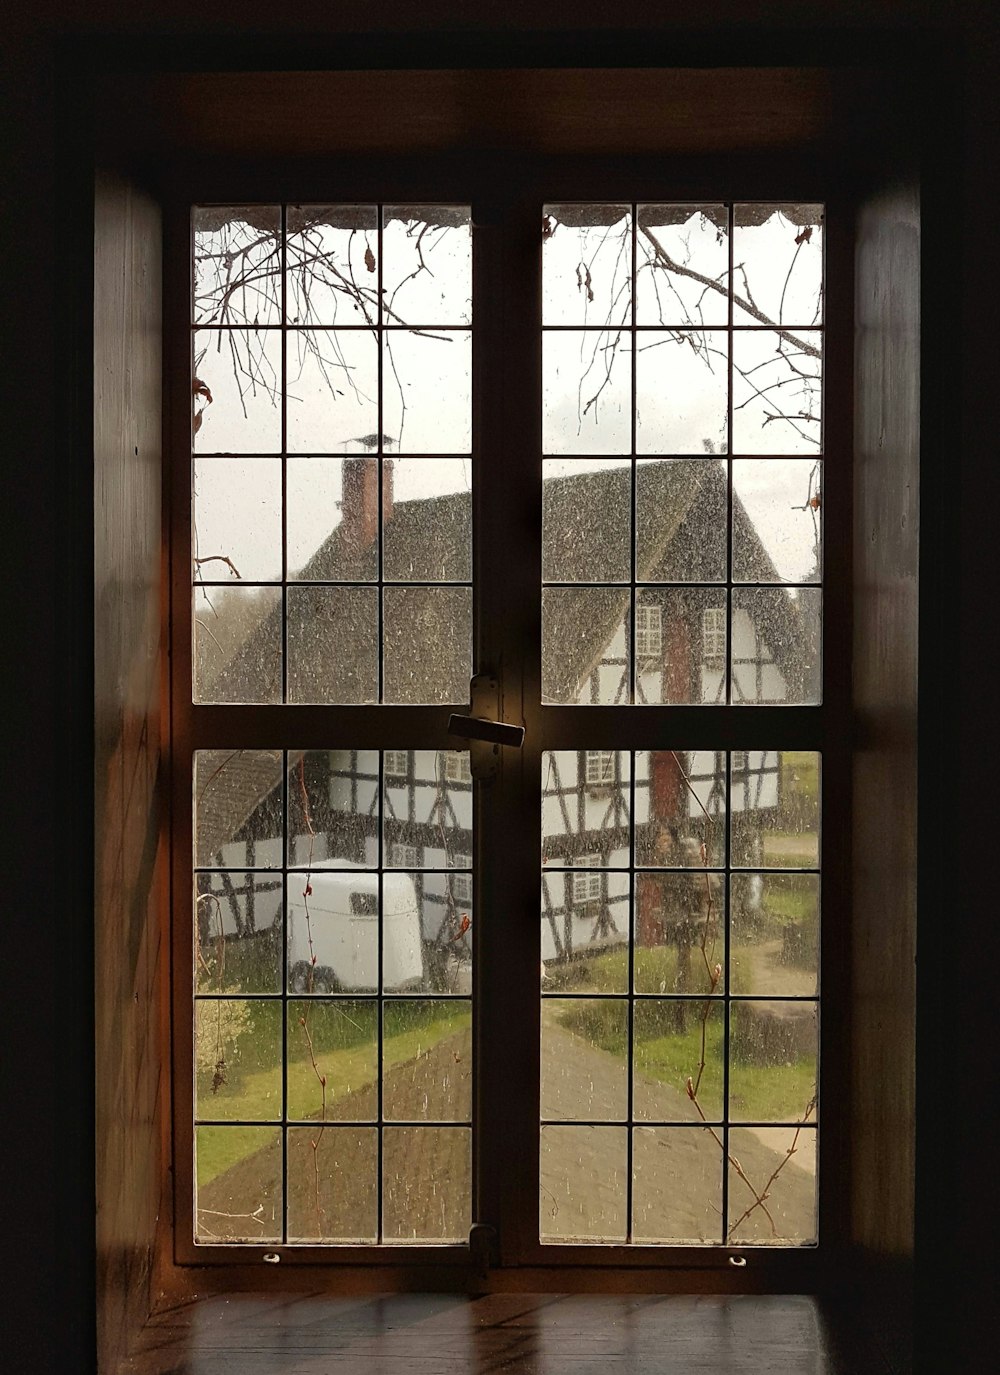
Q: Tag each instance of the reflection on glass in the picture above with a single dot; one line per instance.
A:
(680, 637)
(583, 1191)
(332, 519)
(586, 392)
(584, 1059)
(332, 800)
(775, 934)
(680, 533)
(777, 392)
(332, 1184)
(586, 264)
(585, 654)
(427, 520)
(426, 1184)
(237, 644)
(236, 512)
(238, 817)
(237, 1059)
(677, 1185)
(237, 264)
(238, 930)
(332, 391)
(776, 520)
(780, 252)
(237, 391)
(331, 272)
(586, 520)
(332, 1055)
(427, 644)
(775, 801)
(680, 809)
(427, 1060)
(772, 1053)
(682, 271)
(791, 1197)
(238, 1194)
(585, 807)
(682, 391)
(332, 644)
(671, 1036)
(427, 264)
(776, 645)
(427, 391)
(679, 925)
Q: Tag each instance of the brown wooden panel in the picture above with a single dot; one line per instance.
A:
(128, 847)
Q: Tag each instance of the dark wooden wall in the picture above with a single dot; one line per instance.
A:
(129, 855)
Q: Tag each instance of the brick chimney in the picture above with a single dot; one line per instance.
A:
(359, 503)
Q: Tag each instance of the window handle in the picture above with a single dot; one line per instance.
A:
(482, 729)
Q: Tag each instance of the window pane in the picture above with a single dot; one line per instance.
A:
(585, 645)
(430, 1044)
(236, 509)
(237, 644)
(332, 1184)
(586, 801)
(428, 644)
(331, 276)
(775, 934)
(332, 391)
(776, 645)
(586, 392)
(777, 392)
(677, 1186)
(333, 519)
(332, 644)
(586, 264)
(427, 530)
(584, 1045)
(237, 264)
(780, 252)
(427, 391)
(776, 520)
(237, 1059)
(237, 1184)
(682, 271)
(682, 390)
(427, 1184)
(238, 809)
(680, 531)
(586, 520)
(238, 921)
(790, 1214)
(237, 391)
(427, 265)
(583, 1184)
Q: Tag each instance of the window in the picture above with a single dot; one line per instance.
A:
(333, 523)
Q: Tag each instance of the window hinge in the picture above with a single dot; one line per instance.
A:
(483, 729)
(484, 1247)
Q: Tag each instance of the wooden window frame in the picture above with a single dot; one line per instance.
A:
(507, 621)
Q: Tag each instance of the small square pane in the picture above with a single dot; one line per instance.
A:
(586, 264)
(427, 812)
(584, 939)
(682, 392)
(237, 264)
(679, 926)
(332, 809)
(332, 644)
(776, 645)
(777, 392)
(332, 1184)
(773, 1049)
(237, 1184)
(238, 808)
(679, 1047)
(780, 252)
(426, 1184)
(427, 391)
(331, 391)
(427, 644)
(237, 1059)
(585, 645)
(583, 1190)
(680, 645)
(682, 265)
(427, 265)
(333, 517)
(776, 520)
(788, 1214)
(586, 520)
(680, 531)
(332, 1048)
(427, 1060)
(677, 1186)
(585, 1059)
(333, 932)
(585, 807)
(775, 799)
(331, 275)
(429, 931)
(237, 644)
(586, 392)
(680, 809)
(237, 391)
(427, 520)
(775, 934)
(238, 926)
(236, 512)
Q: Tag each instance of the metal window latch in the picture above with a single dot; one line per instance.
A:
(482, 728)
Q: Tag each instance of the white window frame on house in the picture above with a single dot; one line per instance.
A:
(599, 768)
(648, 631)
(587, 887)
(396, 763)
(457, 767)
(713, 635)
(403, 856)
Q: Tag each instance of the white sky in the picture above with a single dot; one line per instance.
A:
(680, 401)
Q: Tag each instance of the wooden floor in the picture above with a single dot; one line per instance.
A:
(516, 1334)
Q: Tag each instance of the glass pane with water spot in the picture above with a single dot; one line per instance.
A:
(586, 265)
(332, 932)
(586, 520)
(237, 644)
(427, 391)
(236, 514)
(427, 265)
(586, 392)
(331, 391)
(583, 1191)
(332, 1055)
(427, 644)
(779, 250)
(777, 392)
(676, 1186)
(678, 1055)
(788, 1215)
(237, 264)
(238, 808)
(682, 392)
(776, 809)
(237, 1059)
(584, 934)
(427, 809)
(680, 803)
(427, 1060)
(332, 1184)
(238, 1193)
(679, 932)
(584, 1059)
(585, 645)
(332, 644)
(236, 391)
(680, 638)
(773, 1048)
(238, 926)
(680, 525)
(682, 265)
(333, 809)
(426, 1184)
(586, 803)
(777, 520)
(427, 520)
(331, 275)
(776, 646)
(775, 934)
(332, 519)
(429, 924)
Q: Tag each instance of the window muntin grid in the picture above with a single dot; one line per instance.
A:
(717, 402)
(332, 999)
(704, 859)
(331, 421)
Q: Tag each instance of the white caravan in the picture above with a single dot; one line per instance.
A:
(334, 930)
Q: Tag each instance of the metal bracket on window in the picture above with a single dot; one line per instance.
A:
(482, 728)
(483, 1247)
